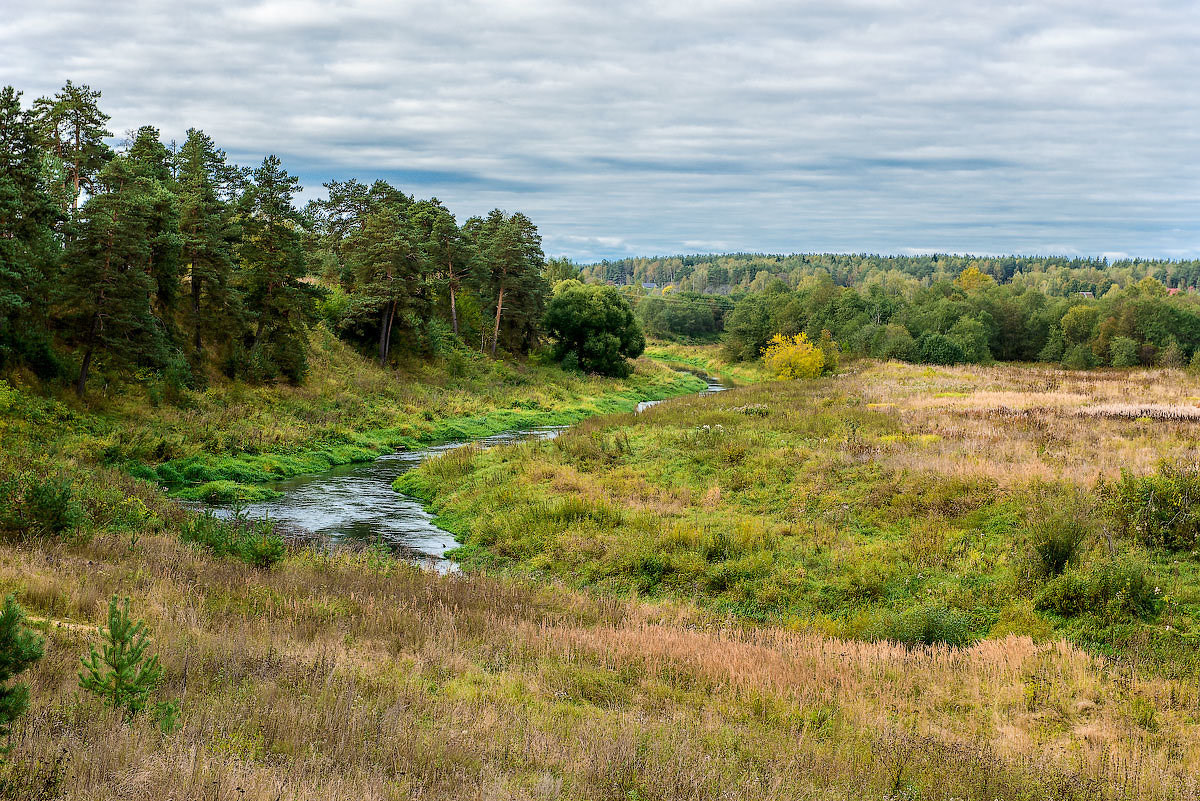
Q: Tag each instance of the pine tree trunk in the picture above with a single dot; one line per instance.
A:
(385, 332)
(83, 372)
(196, 309)
(496, 329)
(453, 309)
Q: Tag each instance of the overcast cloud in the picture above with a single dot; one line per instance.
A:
(655, 128)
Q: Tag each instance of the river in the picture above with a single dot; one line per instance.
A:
(356, 502)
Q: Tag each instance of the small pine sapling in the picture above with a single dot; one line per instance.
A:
(122, 673)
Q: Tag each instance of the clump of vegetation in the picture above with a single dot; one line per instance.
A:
(39, 505)
(593, 328)
(1112, 589)
(19, 650)
(788, 357)
(253, 541)
(122, 673)
(1161, 509)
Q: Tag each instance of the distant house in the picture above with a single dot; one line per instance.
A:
(1174, 290)
(649, 285)
(1087, 295)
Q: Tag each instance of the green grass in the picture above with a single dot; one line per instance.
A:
(224, 443)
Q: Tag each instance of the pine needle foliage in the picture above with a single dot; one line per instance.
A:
(122, 673)
(19, 649)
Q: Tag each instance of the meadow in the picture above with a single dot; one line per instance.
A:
(354, 676)
(817, 590)
(892, 502)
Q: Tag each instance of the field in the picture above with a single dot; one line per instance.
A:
(826, 589)
(350, 676)
(893, 502)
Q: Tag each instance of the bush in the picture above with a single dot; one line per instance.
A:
(596, 326)
(1079, 357)
(793, 357)
(929, 624)
(1160, 509)
(1057, 541)
(39, 505)
(1116, 590)
(1123, 352)
(935, 348)
(254, 542)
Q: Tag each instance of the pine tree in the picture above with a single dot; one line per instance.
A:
(30, 253)
(388, 272)
(73, 130)
(446, 250)
(274, 267)
(19, 649)
(209, 234)
(510, 263)
(150, 161)
(122, 673)
(108, 282)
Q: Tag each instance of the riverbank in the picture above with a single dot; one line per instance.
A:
(707, 359)
(225, 443)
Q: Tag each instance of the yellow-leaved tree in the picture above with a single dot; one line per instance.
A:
(793, 357)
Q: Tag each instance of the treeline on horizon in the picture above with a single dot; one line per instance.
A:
(734, 273)
(174, 261)
(1081, 313)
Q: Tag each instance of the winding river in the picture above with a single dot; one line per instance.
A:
(356, 502)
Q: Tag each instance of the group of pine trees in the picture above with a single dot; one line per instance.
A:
(149, 258)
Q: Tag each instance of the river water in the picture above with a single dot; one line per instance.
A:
(356, 502)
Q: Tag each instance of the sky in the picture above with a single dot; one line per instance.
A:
(654, 128)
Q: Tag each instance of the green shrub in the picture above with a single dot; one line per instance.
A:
(51, 506)
(261, 548)
(928, 624)
(1057, 542)
(1079, 357)
(254, 542)
(19, 649)
(1115, 590)
(1123, 352)
(1159, 510)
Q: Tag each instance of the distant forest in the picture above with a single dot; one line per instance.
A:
(940, 309)
(167, 259)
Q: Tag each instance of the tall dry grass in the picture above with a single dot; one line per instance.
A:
(343, 676)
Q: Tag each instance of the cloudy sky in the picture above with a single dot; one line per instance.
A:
(645, 128)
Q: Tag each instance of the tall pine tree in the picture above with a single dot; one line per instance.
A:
(108, 283)
(280, 302)
(73, 130)
(209, 233)
(30, 253)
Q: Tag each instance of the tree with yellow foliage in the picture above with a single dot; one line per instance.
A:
(973, 278)
(793, 357)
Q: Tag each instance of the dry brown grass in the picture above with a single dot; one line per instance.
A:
(338, 677)
(1013, 423)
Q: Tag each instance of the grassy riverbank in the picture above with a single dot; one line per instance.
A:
(221, 444)
(706, 359)
(897, 502)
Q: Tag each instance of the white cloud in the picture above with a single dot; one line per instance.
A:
(654, 127)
